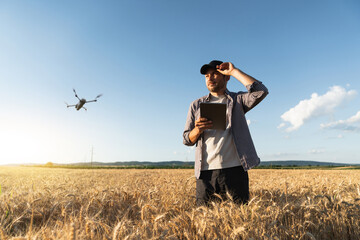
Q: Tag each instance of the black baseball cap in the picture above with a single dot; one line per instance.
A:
(211, 64)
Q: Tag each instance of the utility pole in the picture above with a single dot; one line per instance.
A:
(92, 154)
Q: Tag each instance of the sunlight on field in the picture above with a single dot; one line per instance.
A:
(40, 203)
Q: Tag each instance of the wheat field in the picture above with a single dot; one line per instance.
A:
(47, 203)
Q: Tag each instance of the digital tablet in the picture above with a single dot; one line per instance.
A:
(215, 112)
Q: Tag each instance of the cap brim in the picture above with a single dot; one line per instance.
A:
(205, 68)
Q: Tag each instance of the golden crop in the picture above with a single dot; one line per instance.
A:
(44, 203)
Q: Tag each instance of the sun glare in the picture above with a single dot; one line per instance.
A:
(21, 143)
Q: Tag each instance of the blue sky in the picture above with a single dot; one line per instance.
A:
(145, 56)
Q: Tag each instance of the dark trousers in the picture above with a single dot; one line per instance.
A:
(234, 181)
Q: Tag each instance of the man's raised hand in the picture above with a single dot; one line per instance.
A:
(226, 68)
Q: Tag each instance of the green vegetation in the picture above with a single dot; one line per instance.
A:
(49, 164)
(325, 167)
(87, 166)
(189, 166)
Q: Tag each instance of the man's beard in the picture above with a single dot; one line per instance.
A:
(216, 87)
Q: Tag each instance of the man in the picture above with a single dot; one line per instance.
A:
(223, 157)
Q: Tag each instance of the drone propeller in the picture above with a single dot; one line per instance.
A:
(98, 96)
(67, 105)
(76, 94)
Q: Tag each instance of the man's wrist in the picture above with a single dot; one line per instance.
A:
(197, 131)
(235, 72)
(194, 134)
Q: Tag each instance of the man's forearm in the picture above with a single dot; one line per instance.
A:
(243, 77)
(194, 135)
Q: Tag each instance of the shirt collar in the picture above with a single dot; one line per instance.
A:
(227, 93)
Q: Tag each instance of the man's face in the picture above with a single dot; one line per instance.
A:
(215, 81)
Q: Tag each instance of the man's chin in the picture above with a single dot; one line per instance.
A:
(213, 89)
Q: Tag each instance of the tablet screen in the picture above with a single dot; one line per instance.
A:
(216, 112)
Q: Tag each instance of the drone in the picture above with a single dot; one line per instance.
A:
(82, 102)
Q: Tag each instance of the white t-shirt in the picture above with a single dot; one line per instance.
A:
(219, 148)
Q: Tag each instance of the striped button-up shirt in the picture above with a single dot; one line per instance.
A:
(238, 104)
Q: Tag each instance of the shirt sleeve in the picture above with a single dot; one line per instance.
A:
(256, 93)
(189, 125)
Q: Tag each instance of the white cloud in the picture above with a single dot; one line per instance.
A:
(316, 151)
(316, 106)
(336, 137)
(351, 124)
